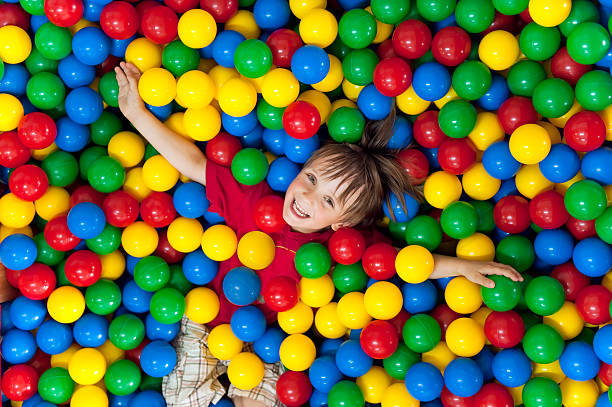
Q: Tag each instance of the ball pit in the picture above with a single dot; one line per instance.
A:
(504, 117)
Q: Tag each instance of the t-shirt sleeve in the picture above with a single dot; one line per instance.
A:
(228, 197)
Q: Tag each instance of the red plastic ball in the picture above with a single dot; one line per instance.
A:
(120, 208)
(142, 8)
(293, 389)
(456, 156)
(547, 210)
(415, 163)
(449, 399)
(159, 24)
(166, 251)
(525, 16)
(134, 354)
(86, 193)
(107, 65)
(581, 229)
(12, 151)
(426, 130)
(157, 209)
(12, 276)
(504, 329)
(119, 20)
(502, 22)
(411, 39)
(268, 214)
(511, 214)
(58, 236)
(451, 46)
(280, 293)
(83, 268)
(283, 43)
(379, 339)
(346, 246)
(605, 373)
(181, 6)
(444, 315)
(564, 67)
(64, 13)
(19, 382)
(301, 120)
(392, 76)
(37, 130)
(593, 304)
(385, 49)
(378, 261)
(221, 10)
(399, 321)
(28, 182)
(515, 112)
(37, 282)
(585, 131)
(13, 14)
(222, 149)
(41, 361)
(493, 395)
(571, 279)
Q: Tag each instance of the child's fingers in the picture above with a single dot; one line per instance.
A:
(504, 270)
(121, 78)
(480, 279)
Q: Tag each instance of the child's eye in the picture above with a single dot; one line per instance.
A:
(329, 202)
(311, 178)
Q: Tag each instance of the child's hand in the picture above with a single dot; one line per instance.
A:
(129, 99)
(475, 271)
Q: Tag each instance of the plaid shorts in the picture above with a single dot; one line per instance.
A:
(194, 382)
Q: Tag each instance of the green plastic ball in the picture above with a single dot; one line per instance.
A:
(312, 260)
(357, 28)
(168, 305)
(471, 80)
(457, 118)
(103, 297)
(358, 66)
(541, 392)
(594, 90)
(543, 344)
(178, 58)
(34, 7)
(516, 251)
(504, 296)
(126, 331)
(390, 11)
(474, 16)
(459, 220)
(109, 89)
(399, 362)
(60, 275)
(61, 168)
(603, 226)
(253, 58)
(338, 49)
(484, 210)
(45, 90)
(435, 10)
(588, 43)
(582, 11)
(421, 333)
(37, 63)
(553, 97)
(539, 43)
(544, 295)
(510, 7)
(53, 42)
(88, 156)
(424, 231)
(250, 166)
(45, 253)
(151, 383)
(397, 230)
(151, 273)
(178, 280)
(346, 125)
(585, 200)
(122, 377)
(345, 394)
(106, 174)
(106, 242)
(269, 116)
(349, 277)
(524, 76)
(103, 129)
(55, 385)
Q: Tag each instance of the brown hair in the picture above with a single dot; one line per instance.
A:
(368, 168)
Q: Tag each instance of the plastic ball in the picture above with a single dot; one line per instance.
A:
(37, 130)
(530, 144)
(241, 286)
(19, 382)
(139, 239)
(591, 304)
(122, 377)
(280, 293)
(383, 300)
(28, 182)
(585, 200)
(158, 358)
(504, 329)
(18, 346)
(18, 252)
(584, 131)
(441, 189)
(378, 339)
(293, 388)
(463, 377)
(424, 381)
(465, 337)
(579, 361)
(499, 50)
(297, 352)
(15, 44)
(90, 331)
(318, 27)
(588, 43)
(462, 295)
(541, 390)
(66, 304)
(248, 323)
(542, 344)
(577, 392)
(55, 385)
(89, 395)
(197, 28)
(421, 333)
(87, 366)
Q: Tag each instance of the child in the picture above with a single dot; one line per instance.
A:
(341, 185)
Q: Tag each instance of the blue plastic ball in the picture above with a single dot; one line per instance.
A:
(267, 347)
(86, 220)
(190, 200)
(120, 401)
(248, 323)
(224, 46)
(602, 344)
(281, 174)
(130, 263)
(91, 330)
(224, 402)
(351, 360)
(424, 381)
(253, 139)
(496, 95)
(148, 398)
(74, 73)
(324, 373)
(463, 377)
(597, 165)
(14, 80)
(118, 47)
(90, 45)
(161, 112)
(37, 21)
(71, 136)
(84, 105)
(239, 126)
(273, 140)
(561, 164)
(92, 10)
(432, 158)
(213, 218)
(603, 400)
(18, 251)
(198, 268)
(373, 104)
(5, 318)
(310, 64)
(431, 81)
(53, 337)
(498, 162)
(271, 14)
(135, 299)
(484, 358)
(419, 298)
(592, 257)
(18, 346)
(511, 367)
(318, 399)
(32, 401)
(507, 187)
(402, 134)
(158, 358)
(554, 246)
(330, 346)
(27, 314)
(579, 361)
(299, 151)
(241, 286)
(156, 330)
(401, 216)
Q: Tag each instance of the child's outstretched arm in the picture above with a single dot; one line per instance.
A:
(182, 154)
(474, 270)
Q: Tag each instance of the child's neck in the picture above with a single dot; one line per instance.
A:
(305, 230)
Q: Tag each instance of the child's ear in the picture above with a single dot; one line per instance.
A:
(337, 226)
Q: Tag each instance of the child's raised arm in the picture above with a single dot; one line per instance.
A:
(473, 270)
(182, 154)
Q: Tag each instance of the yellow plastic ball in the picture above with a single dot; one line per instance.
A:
(530, 144)
(158, 174)
(350, 90)
(185, 234)
(220, 74)
(579, 394)
(245, 371)
(139, 239)
(55, 202)
(197, 28)
(337, 104)
(374, 383)
(550, 370)
(397, 395)
(195, 89)
(237, 97)
(66, 304)
(328, 322)
(318, 27)
(607, 280)
(410, 103)
(441, 189)
(553, 131)
(296, 320)
(87, 366)
(113, 265)
(201, 305)
(486, 131)
(134, 184)
(219, 242)
(300, 8)
(383, 300)
(440, 356)
(244, 22)
(256, 250)
(549, 13)
(15, 212)
(478, 184)
(465, 337)
(144, 54)
(450, 95)
(15, 45)
(222, 342)
(334, 76)
(530, 181)
(414, 264)
(63, 359)
(320, 101)
(89, 396)
(7, 231)
(352, 311)
(499, 50)
(317, 292)
(110, 352)
(462, 295)
(567, 321)
(563, 187)
(11, 111)
(280, 88)
(176, 123)
(476, 247)
(517, 394)
(126, 147)
(383, 30)
(481, 315)
(82, 23)
(202, 124)
(157, 87)
(606, 116)
(44, 152)
(297, 352)
(562, 120)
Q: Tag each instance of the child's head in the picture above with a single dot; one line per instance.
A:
(344, 185)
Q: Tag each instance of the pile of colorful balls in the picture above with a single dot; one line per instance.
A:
(504, 115)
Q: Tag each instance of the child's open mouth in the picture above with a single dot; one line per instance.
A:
(298, 211)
